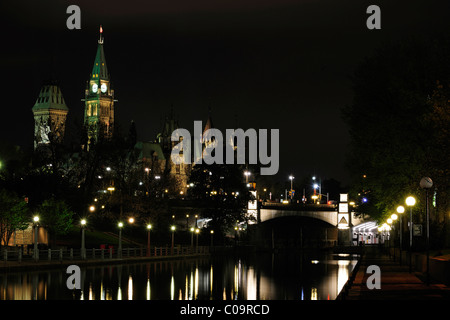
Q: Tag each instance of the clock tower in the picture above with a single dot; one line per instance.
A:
(99, 99)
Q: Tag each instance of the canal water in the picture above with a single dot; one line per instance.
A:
(227, 277)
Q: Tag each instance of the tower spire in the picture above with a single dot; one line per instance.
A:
(100, 40)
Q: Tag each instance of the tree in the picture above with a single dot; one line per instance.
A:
(438, 154)
(14, 215)
(56, 217)
(396, 137)
(222, 193)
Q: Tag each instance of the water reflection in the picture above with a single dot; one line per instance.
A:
(220, 278)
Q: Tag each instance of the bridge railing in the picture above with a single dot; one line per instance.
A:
(299, 206)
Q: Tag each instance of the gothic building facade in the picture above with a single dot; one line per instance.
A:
(50, 115)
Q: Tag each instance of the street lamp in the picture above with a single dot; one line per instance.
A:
(247, 174)
(149, 228)
(192, 237)
(83, 247)
(92, 208)
(291, 177)
(426, 183)
(212, 237)
(173, 233)
(400, 210)
(394, 218)
(36, 226)
(389, 222)
(197, 231)
(410, 202)
(119, 251)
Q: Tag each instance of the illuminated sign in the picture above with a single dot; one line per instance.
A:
(343, 207)
(343, 216)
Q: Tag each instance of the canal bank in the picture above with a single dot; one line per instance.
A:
(396, 282)
(30, 265)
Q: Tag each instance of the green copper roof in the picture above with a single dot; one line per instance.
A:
(100, 71)
(50, 97)
(149, 150)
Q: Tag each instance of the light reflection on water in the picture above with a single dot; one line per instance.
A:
(265, 277)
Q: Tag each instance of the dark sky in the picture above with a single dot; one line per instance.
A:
(268, 64)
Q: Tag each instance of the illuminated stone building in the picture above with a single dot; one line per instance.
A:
(50, 114)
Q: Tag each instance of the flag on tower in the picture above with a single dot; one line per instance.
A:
(101, 29)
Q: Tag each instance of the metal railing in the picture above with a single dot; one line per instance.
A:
(16, 254)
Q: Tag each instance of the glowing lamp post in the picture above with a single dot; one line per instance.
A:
(212, 237)
(36, 226)
(247, 174)
(83, 246)
(197, 231)
(173, 235)
(291, 177)
(400, 210)
(192, 237)
(394, 218)
(119, 251)
(149, 228)
(410, 202)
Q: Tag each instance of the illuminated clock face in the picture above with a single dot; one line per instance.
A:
(94, 87)
(103, 87)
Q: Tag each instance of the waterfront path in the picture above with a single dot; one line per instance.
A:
(397, 283)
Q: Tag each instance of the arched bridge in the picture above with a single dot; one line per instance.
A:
(323, 212)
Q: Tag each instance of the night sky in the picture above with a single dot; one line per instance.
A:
(269, 64)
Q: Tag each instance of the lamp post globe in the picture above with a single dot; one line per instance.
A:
(426, 183)
(410, 201)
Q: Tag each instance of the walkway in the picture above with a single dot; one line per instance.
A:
(396, 282)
